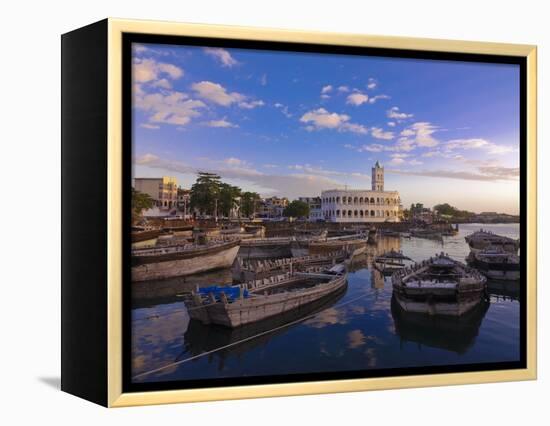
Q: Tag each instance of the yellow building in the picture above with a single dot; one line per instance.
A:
(163, 190)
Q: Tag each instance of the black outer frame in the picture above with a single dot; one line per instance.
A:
(84, 212)
(128, 39)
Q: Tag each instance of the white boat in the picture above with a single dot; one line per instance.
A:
(182, 260)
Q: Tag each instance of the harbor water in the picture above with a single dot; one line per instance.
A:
(359, 329)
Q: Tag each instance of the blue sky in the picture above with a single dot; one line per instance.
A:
(292, 124)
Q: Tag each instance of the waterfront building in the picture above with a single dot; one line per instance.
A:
(184, 197)
(163, 190)
(273, 207)
(362, 205)
(315, 211)
(419, 213)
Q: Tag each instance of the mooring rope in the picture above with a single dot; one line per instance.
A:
(238, 342)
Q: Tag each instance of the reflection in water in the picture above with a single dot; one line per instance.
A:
(359, 329)
(455, 334)
(201, 338)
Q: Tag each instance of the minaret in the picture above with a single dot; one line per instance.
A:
(377, 177)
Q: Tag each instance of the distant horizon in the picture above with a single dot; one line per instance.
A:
(293, 124)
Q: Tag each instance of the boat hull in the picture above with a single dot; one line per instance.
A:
(223, 258)
(259, 307)
(443, 306)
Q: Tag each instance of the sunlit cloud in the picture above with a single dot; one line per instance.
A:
(222, 56)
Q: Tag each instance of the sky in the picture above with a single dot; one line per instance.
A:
(293, 124)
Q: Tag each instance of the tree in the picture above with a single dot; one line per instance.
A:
(228, 199)
(249, 201)
(140, 202)
(297, 209)
(205, 193)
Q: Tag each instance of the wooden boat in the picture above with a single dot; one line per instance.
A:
(182, 260)
(426, 233)
(439, 286)
(265, 248)
(483, 239)
(253, 269)
(392, 261)
(456, 334)
(495, 263)
(350, 243)
(261, 299)
(300, 245)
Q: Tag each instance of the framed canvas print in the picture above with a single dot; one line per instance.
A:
(250, 212)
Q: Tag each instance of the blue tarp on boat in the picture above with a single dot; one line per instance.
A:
(231, 292)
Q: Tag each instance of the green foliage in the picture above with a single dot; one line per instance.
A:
(446, 209)
(204, 193)
(249, 203)
(140, 202)
(229, 196)
(297, 209)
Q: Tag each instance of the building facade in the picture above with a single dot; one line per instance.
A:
(315, 211)
(163, 190)
(273, 207)
(362, 205)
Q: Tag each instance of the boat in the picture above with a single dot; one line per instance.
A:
(258, 300)
(426, 233)
(252, 269)
(496, 263)
(456, 334)
(439, 285)
(483, 239)
(265, 248)
(300, 245)
(372, 236)
(154, 263)
(391, 261)
(353, 245)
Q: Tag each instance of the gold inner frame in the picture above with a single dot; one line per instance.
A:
(116, 28)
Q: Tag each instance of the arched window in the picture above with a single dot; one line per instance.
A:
(337, 199)
(355, 200)
(349, 200)
(361, 213)
(360, 200)
(372, 213)
(355, 213)
(372, 200)
(337, 213)
(349, 213)
(343, 213)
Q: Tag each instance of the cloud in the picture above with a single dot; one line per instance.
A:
(263, 80)
(373, 99)
(217, 94)
(378, 133)
(372, 83)
(223, 123)
(395, 114)
(391, 123)
(420, 134)
(301, 183)
(170, 108)
(251, 104)
(221, 55)
(489, 174)
(149, 126)
(321, 119)
(326, 89)
(343, 89)
(149, 70)
(478, 143)
(283, 109)
(357, 98)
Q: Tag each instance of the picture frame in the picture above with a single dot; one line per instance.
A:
(97, 166)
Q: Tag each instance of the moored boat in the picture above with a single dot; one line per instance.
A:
(253, 269)
(439, 286)
(392, 261)
(260, 299)
(496, 263)
(484, 239)
(182, 260)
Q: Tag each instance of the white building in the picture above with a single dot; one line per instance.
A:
(315, 211)
(362, 205)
